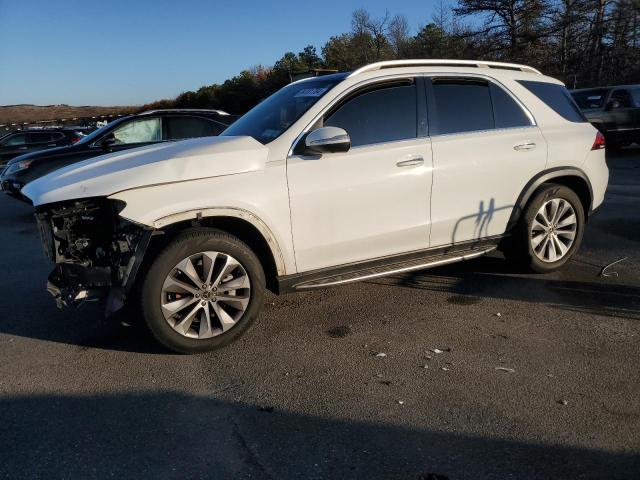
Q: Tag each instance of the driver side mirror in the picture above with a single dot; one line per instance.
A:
(327, 140)
(612, 104)
(108, 141)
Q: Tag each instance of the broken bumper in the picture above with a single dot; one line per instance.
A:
(96, 253)
(72, 285)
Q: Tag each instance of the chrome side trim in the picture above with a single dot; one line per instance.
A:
(421, 266)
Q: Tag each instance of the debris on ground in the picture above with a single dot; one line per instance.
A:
(424, 366)
(378, 375)
(498, 314)
(381, 355)
(603, 271)
(385, 382)
(446, 369)
(400, 402)
(436, 350)
(434, 476)
(506, 369)
(563, 402)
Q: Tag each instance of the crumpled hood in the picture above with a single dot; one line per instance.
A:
(152, 165)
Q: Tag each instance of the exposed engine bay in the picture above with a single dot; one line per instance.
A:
(96, 252)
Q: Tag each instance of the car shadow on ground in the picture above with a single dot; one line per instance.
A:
(493, 277)
(173, 435)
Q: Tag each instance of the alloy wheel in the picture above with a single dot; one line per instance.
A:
(205, 295)
(553, 230)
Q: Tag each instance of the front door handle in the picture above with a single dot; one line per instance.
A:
(410, 162)
(524, 146)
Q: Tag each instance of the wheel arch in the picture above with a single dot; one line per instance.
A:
(238, 222)
(571, 177)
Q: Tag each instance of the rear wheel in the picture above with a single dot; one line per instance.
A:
(202, 292)
(550, 230)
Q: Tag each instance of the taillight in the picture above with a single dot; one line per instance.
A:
(598, 143)
(74, 140)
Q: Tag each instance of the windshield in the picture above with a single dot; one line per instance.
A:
(272, 117)
(99, 132)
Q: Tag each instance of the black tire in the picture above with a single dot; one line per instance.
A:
(188, 243)
(518, 248)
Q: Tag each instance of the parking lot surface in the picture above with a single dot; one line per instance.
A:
(487, 373)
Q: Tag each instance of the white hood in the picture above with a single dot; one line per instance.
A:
(151, 165)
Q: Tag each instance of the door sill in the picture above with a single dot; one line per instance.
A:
(407, 262)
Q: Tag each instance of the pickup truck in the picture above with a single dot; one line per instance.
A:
(615, 111)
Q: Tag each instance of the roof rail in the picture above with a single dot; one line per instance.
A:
(443, 63)
(159, 110)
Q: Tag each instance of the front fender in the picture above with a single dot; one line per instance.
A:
(258, 198)
(229, 212)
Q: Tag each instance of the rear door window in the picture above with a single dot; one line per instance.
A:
(461, 105)
(589, 99)
(507, 112)
(177, 128)
(556, 97)
(39, 137)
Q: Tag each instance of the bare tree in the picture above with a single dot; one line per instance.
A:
(398, 32)
(512, 26)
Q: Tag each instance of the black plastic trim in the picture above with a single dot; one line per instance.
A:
(543, 177)
(423, 117)
(288, 283)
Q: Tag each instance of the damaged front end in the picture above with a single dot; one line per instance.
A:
(97, 253)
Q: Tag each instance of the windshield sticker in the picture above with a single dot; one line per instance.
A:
(311, 92)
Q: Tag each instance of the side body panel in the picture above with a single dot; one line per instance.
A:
(477, 178)
(359, 205)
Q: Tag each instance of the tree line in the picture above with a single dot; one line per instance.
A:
(582, 42)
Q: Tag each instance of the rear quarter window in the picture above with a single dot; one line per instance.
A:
(556, 97)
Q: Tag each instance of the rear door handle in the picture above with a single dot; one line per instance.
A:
(524, 146)
(410, 162)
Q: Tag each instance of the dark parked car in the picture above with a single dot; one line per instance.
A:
(25, 141)
(615, 111)
(126, 132)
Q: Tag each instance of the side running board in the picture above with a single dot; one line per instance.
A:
(401, 267)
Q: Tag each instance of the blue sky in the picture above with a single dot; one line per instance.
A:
(117, 52)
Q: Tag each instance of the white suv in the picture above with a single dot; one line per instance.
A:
(397, 166)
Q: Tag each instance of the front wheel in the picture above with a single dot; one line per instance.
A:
(202, 292)
(550, 230)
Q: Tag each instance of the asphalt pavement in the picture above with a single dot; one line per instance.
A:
(488, 373)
